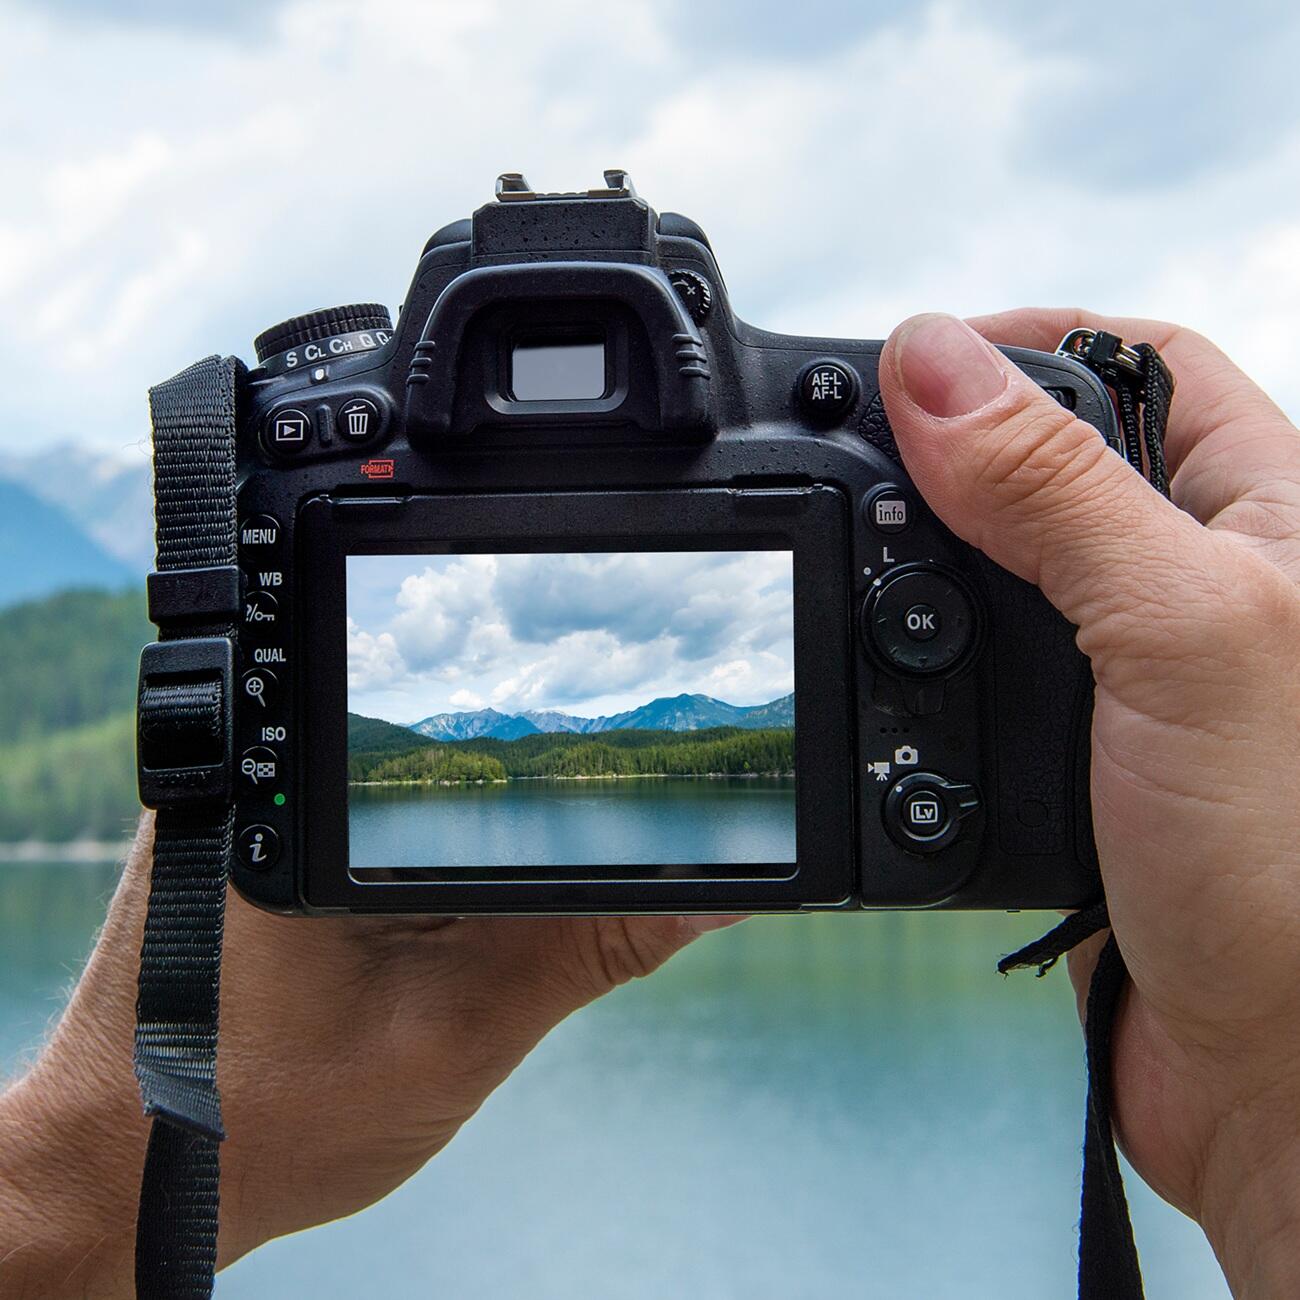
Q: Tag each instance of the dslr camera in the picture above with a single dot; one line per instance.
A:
(573, 593)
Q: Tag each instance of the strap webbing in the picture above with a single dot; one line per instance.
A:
(180, 960)
(1108, 1258)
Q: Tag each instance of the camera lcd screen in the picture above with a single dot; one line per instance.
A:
(545, 371)
(553, 710)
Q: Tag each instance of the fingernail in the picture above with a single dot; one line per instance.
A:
(706, 924)
(946, 368)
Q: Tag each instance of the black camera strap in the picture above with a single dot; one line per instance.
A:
(184, 760)
(184, 717)
(1108, 1258)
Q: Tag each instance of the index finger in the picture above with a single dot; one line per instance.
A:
(1226, 437)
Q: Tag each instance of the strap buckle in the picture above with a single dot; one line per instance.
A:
(185, 722)
(1107, 354)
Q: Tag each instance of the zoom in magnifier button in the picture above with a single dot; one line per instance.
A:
(260, 687)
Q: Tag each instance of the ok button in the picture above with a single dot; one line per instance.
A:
(921, 622)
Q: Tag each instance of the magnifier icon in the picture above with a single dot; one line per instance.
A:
(255, 687)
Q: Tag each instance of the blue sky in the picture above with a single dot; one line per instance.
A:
(179, 177)
(588, 634)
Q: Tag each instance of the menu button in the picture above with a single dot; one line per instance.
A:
(260, 531)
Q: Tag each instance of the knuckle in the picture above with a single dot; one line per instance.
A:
(1035, 458)
(615, 949)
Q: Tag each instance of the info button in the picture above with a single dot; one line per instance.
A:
(887, 510)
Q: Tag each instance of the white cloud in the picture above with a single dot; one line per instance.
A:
(171, 191)
(373, 660)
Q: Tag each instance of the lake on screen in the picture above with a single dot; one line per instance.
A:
(567, 822)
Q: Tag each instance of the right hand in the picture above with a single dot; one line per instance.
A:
(1190, 614)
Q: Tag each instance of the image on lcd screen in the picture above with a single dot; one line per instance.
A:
(553, 710)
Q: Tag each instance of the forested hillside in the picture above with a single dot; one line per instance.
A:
(67, 699)
(726, 750)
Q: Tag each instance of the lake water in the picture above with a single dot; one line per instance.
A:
(823, 1106)
(562, 823)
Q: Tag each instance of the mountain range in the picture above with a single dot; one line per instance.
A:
(42, 550)
(669, 713)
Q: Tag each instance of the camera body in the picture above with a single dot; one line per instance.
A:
(566, 408)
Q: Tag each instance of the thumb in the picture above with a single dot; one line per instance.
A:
(1036, 489)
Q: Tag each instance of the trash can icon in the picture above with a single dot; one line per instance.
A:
(356, 420)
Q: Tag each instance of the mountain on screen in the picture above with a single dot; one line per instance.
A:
(671, 713)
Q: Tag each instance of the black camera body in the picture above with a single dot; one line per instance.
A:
(567, 379)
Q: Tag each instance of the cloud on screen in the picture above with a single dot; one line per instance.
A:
(582, 633)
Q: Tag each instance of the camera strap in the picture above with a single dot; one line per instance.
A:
(1108, 1258)
(184, 760)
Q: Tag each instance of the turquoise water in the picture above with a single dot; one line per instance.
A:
(559, 823)
(834, 1106)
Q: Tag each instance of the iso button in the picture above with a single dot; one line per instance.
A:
(259, 766)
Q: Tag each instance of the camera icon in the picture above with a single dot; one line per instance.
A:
(906, 756)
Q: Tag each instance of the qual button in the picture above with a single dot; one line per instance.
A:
(260, 687)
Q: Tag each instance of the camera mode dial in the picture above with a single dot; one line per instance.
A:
(322, 335)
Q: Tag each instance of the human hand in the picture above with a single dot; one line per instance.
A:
(1190, 614)
(352, 1050)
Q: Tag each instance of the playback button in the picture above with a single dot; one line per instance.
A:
(287, 431)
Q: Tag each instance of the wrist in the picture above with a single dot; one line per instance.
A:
(69, 1173)
(1250, 1201)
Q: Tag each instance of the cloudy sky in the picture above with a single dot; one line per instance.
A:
(177, 177)
(586, 634)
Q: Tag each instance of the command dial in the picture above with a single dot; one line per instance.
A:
(320, 335)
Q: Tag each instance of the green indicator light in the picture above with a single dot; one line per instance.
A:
(278, 801)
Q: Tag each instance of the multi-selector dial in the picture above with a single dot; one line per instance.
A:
(920, 620)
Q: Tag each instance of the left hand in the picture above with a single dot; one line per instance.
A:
(352, 1050)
